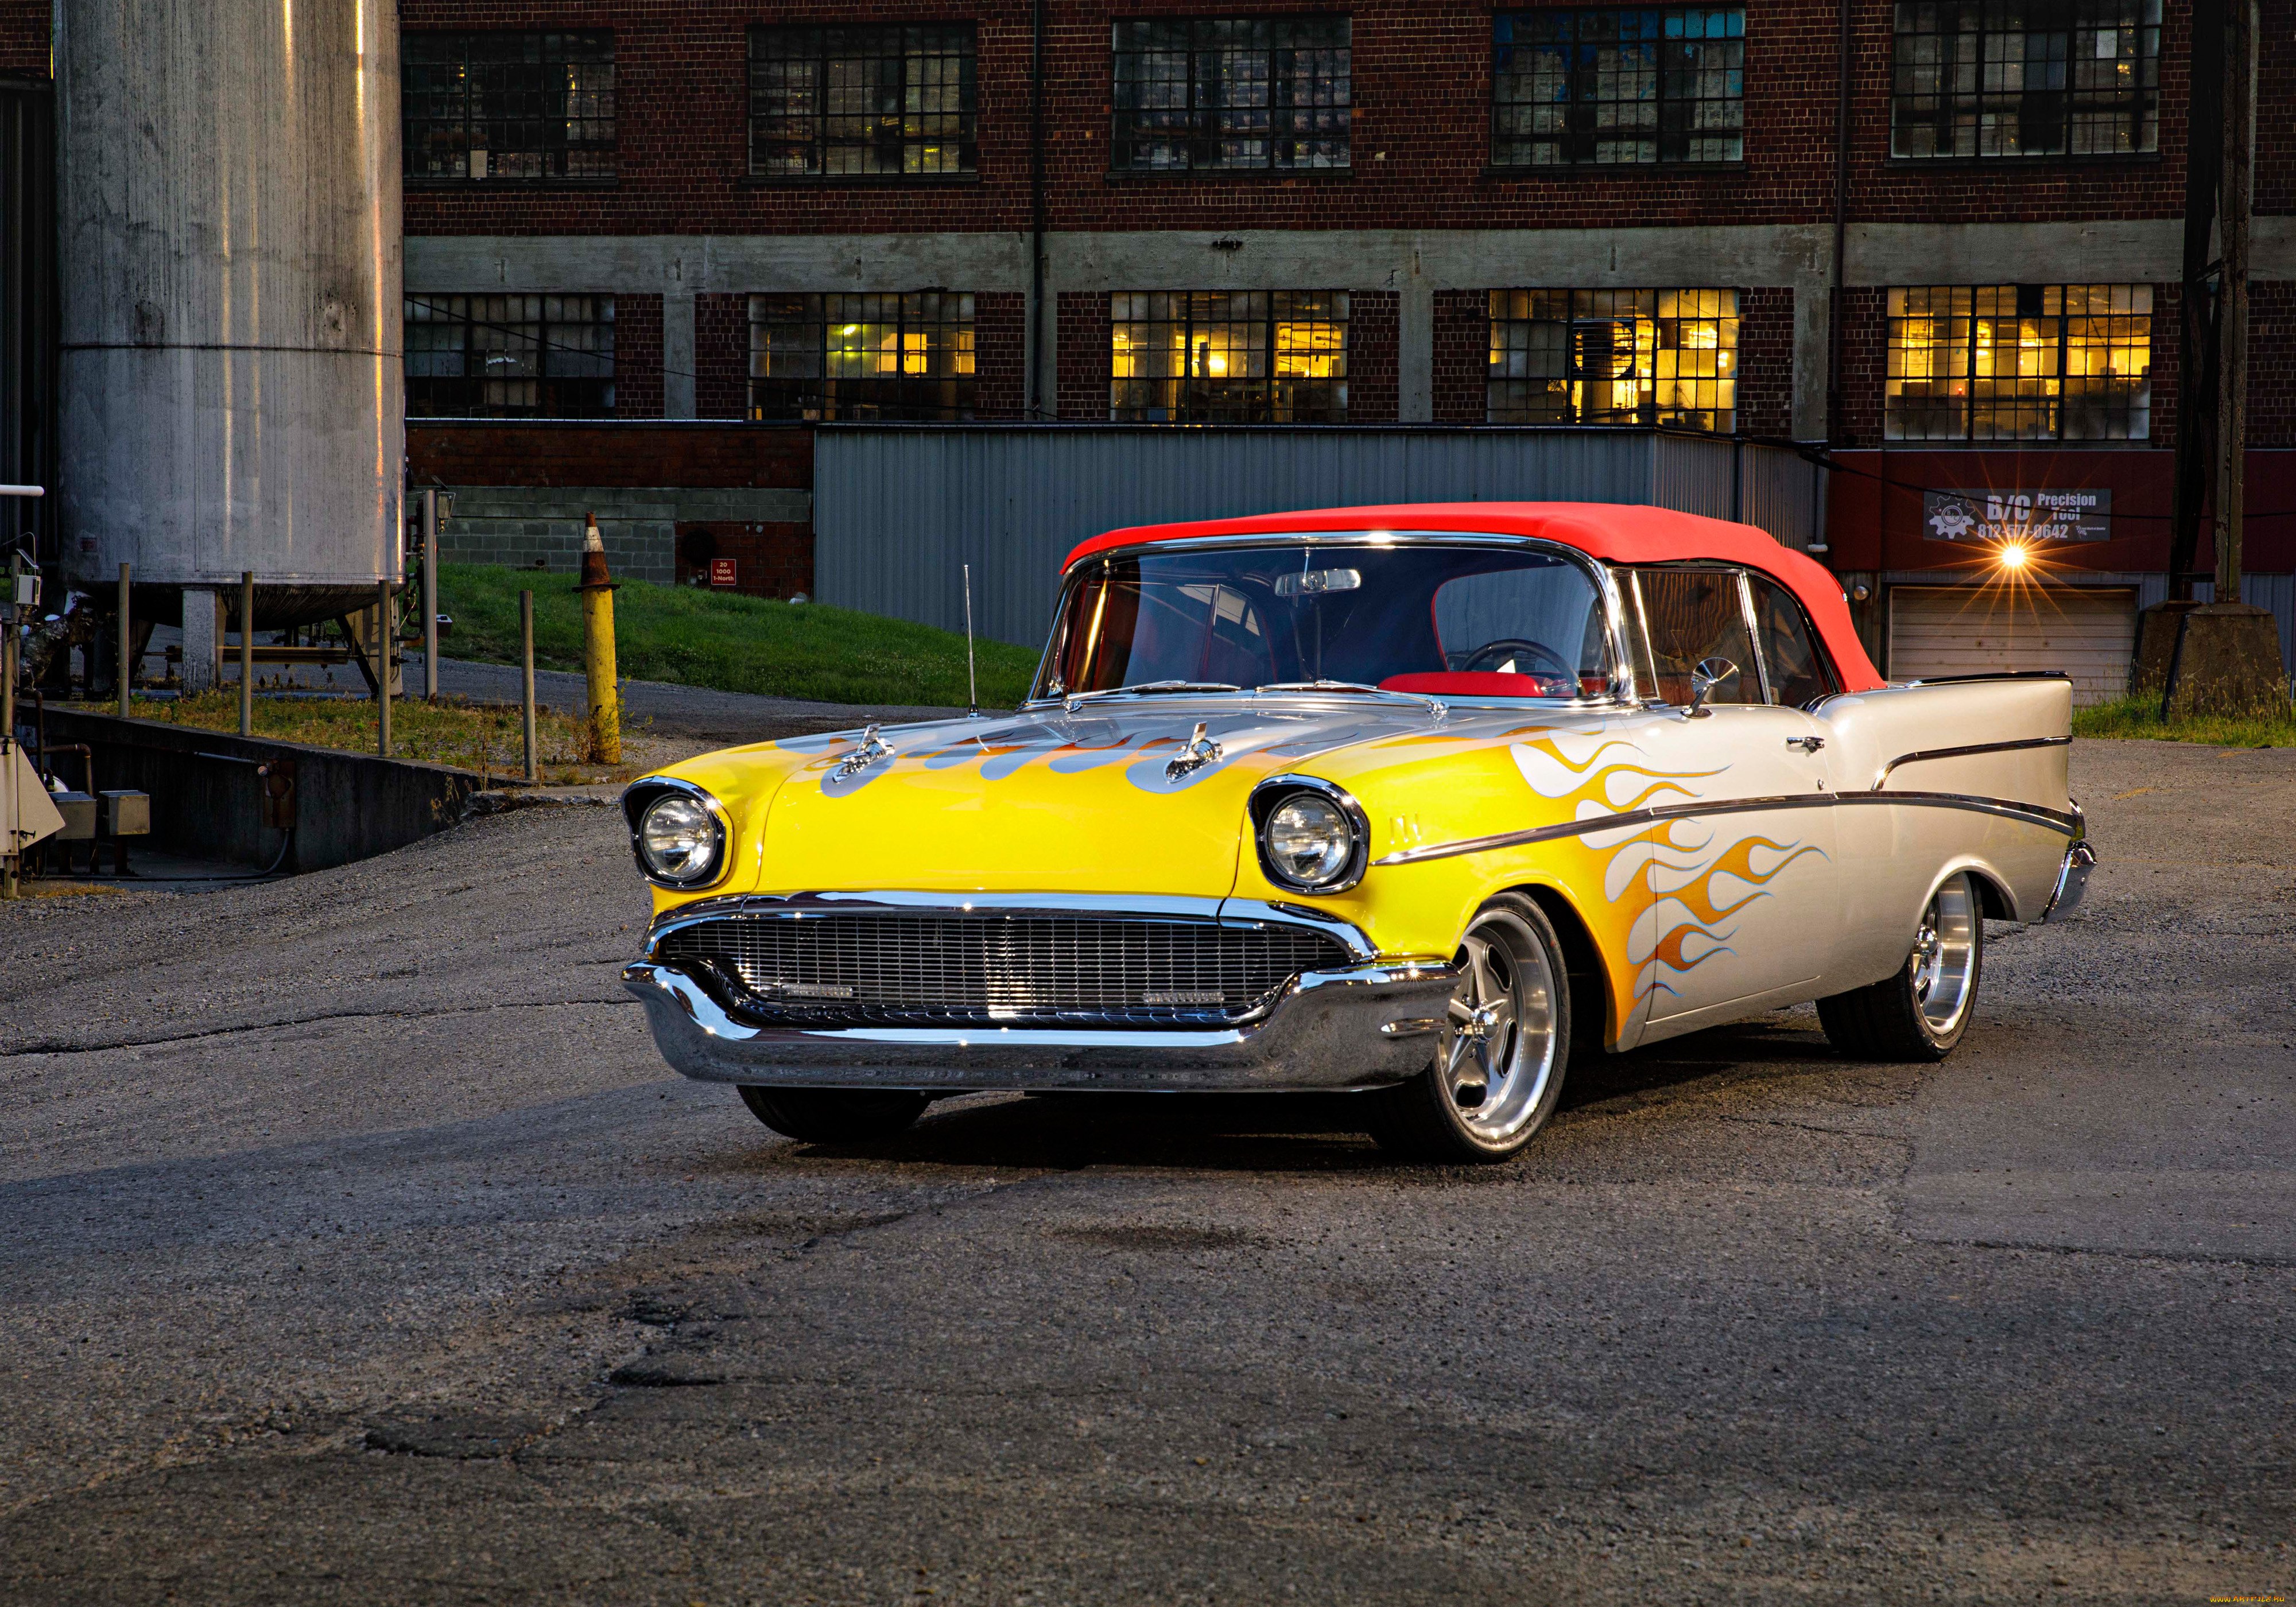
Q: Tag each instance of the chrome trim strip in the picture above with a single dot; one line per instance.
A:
(2034, 813)
(726, 846)
(1973, 748)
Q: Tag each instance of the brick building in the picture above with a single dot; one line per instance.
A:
(773, 216)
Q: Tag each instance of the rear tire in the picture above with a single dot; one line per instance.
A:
(835, 1115)
(1498, 1069)
(1921, 1011)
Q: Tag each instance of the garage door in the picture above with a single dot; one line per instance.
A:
(2088, 632)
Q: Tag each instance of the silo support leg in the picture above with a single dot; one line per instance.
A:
(202, 639)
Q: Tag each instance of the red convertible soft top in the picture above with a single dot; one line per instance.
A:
(1613, 532)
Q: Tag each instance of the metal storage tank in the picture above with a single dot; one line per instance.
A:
(228, 230)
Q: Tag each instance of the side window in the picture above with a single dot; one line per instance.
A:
(1798, 673)
(1691, 615)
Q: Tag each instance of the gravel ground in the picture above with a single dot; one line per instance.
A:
(357, 1248)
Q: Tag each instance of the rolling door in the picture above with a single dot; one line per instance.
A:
(2088, 632)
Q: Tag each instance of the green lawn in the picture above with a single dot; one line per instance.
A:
(698, 638)
(2140, 717)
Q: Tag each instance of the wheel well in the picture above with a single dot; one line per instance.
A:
(1993, 901)
(1582, 962)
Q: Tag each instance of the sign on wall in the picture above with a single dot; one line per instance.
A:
(722, 572)
(2049, 513)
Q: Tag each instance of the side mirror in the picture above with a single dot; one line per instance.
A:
(1710, 674)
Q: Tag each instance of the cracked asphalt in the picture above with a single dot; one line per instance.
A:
(358, 1247)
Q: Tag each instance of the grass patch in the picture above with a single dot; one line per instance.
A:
(474, 736)
(2138, 716)
(695, 636)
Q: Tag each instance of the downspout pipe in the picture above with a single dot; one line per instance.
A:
(1834, 317)
(1036, 409)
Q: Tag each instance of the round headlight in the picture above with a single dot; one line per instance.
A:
(679, 839)
(1309, 841)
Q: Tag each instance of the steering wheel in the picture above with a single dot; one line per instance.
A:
(1524, 658)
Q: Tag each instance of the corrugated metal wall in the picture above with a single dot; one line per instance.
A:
(897, 510)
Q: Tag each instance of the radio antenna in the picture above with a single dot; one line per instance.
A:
(971, 680)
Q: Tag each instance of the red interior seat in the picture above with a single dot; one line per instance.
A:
(1477, 684)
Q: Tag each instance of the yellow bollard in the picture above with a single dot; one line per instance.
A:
(598, 648)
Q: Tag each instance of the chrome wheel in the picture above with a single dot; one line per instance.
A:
(1499, 1041)
(1944, 961)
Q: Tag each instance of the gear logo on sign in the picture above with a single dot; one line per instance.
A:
(1952, 520)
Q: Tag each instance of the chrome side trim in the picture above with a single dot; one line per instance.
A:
(642, 791)
(1973, 748)
(2033, 814)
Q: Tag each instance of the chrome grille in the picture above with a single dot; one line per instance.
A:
(895, 969)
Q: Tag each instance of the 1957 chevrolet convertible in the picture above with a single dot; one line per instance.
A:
(1414, 803)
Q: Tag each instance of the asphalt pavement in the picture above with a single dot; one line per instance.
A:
(358, 1247)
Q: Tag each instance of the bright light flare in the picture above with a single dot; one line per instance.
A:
(2014, 555)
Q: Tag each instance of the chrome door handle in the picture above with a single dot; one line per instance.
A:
(1807, 744)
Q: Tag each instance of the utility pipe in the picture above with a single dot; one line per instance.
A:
(1036, 219)
(532, 772)
(124, 632)
(382, 668)
(247, 652)
(1833, 318)
(2233, 230)
(430, 595)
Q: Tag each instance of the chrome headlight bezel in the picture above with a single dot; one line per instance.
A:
(1272, 794)
(641, 796)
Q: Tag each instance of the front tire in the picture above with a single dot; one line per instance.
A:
(838, 1116)
(1498, 1067)
(1921, 1011)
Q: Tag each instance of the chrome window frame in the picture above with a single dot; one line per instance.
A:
(1621, 666)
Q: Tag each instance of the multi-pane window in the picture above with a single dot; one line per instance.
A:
(1617, 86)
(862, 356)
(1651, 356)
(1228, 357)
(2026, 78)
(1220, 93)
(893, 101)
(510, 356)
(2020, 362)
(500, 106)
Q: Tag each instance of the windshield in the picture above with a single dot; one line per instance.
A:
(1462, 621)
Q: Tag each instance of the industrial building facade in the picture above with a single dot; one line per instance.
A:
(1161, 213)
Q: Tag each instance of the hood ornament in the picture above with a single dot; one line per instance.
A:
(873, 748)
(1200, 751)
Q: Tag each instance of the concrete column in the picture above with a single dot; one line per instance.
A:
(1415, 357)
(678, 355)
(202, 639)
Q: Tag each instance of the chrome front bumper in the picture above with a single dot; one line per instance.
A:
(1364, 1027)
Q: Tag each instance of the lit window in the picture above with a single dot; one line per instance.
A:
(1210, 95)
(879, 101)
(1651, 356)
(2020, 362)
(2005, 78)
(504, 107)
(1606, 87)
(510, 356)
(904, 357)
(1228, 357)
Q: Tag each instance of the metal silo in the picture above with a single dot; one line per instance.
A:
(228, 225)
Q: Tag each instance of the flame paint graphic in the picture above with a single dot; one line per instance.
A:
(1675, 883)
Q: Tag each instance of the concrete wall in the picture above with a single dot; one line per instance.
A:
(520, 525)
(205, 801)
